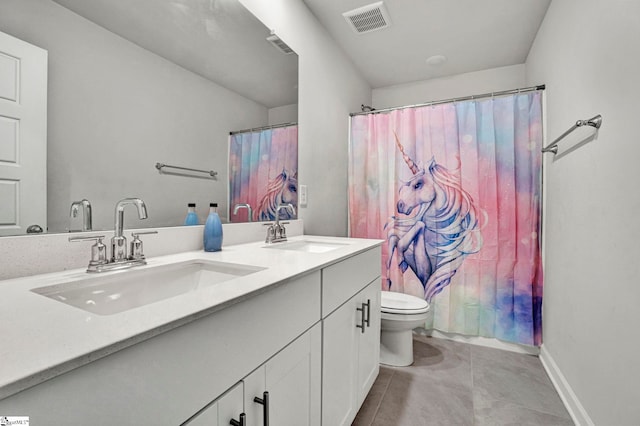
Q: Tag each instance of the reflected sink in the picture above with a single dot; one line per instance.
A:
(121, 291)
(307, 246)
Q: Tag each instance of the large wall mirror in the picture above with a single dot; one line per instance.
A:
(133, 84)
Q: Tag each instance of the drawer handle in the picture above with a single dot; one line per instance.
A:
(368, 320)
(264, 401)
(242, 422)
(362, 320)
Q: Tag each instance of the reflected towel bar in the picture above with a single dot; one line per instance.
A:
(593, 122)
(211, 173)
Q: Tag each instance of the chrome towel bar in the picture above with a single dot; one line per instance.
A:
(593, 122)
(161, 166)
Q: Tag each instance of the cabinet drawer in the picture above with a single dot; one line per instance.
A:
(343, 280)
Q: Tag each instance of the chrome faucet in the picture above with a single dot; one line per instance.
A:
(244, 206)
(86, 213)
(100, 262)
(119, 242)
(276, 232)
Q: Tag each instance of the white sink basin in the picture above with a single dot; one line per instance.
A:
(307, 246)
(121, 291)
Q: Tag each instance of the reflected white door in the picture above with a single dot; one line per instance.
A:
(23, 136)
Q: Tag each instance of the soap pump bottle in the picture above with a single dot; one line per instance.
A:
(213, 230)
(192, 217)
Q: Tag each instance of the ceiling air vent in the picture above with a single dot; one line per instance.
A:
(279, 44)
(368, 18)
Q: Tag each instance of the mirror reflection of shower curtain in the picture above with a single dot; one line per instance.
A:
(263, 172)
(454, 189)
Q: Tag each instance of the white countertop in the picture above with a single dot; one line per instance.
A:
(41, 338)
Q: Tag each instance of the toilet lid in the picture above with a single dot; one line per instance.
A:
(400, 303)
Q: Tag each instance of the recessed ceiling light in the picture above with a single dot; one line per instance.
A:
(436, 60)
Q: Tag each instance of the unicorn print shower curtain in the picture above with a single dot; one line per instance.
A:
(454, 189)
(263, 172)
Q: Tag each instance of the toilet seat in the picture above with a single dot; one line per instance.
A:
(400, 303)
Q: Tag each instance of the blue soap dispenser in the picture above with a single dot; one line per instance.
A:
(192, 217)
(213, 230)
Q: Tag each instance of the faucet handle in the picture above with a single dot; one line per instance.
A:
(136, 251)
(282, 232)
(98, 251)
(271, 232)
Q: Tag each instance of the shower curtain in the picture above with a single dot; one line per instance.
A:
(263, 172)
(454, 189)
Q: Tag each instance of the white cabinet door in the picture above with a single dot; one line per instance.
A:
(231, 405)
(369, 342)
(351, 355)
(254, 386)
(23, 136)
(222, 410)
(207, 417)
(339, 370)
(292, 381)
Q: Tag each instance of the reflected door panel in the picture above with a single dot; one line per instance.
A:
(23, 136)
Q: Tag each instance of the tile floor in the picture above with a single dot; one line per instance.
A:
(452, 383)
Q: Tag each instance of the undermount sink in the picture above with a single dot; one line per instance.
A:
(121, 291)
(308, 246)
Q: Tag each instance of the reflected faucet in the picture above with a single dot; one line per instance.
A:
(244, 206)
(277, 233)
(119, 242)
(86, 213)
(283, 206)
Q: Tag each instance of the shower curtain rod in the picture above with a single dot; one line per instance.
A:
(255, 129)
(446, 101)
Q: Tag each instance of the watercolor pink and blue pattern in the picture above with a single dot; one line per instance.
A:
(263, 172)
(455, 189)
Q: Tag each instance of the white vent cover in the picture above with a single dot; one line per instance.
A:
(279, 44)
(368, 18)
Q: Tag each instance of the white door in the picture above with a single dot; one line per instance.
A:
(23, 136)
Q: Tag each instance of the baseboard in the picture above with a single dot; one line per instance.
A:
(577, 412)
(481, 341)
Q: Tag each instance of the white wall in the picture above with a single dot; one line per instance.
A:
(115, 110)
(473, 83)
(283, 114)
(329, 89)
(588, 54)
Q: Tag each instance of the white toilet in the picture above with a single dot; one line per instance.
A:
(401, 313)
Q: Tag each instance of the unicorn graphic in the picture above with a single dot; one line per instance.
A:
(283, 189)
(440, 228)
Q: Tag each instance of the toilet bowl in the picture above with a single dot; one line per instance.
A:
(400, 314)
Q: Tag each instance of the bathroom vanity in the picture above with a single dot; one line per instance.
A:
(287, 332)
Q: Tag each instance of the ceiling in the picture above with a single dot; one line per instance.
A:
(217, 39)
(223, 42)
(473, 35)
